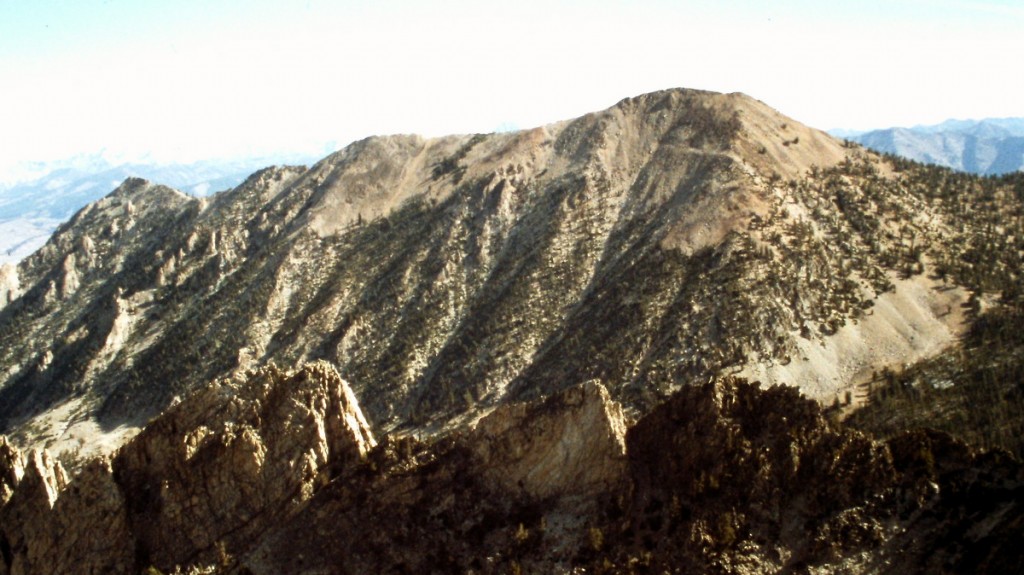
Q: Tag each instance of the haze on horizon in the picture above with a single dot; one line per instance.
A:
(188, 80)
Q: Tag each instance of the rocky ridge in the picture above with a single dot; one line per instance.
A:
(721, 478)
(207, 475)
(677, 236)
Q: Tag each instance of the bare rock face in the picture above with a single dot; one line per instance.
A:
(280, 474)
(574, 441)
(515, 492)
(198, 482)
(55, 526)
(9, 287)
(235, 457)
(12, 468)
(26, 518)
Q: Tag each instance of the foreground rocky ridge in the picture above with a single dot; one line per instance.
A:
(676, 236)
(280, 474)
(211, 473)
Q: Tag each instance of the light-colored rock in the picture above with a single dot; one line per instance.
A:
(74, 527)
(571, 442)
(26, 520)
(12, 468)
(222, 464)
(10, 289)
(70, 280)
(215, 470)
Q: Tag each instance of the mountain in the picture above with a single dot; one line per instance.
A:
(673, 237)
(31, 210)
(526, 351)
(989, 146)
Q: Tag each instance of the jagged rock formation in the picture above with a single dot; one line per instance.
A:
(12, 468)
(469, 501)
(732, 479)
(676, 236)
(204, 478)
(574, 442)
(31, 209)
(723, 478)
(279, 474)
(9, 288)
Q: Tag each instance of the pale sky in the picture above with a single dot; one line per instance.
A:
(188, 79)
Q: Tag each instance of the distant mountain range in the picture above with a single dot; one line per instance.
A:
(989, 147)
(30, 210)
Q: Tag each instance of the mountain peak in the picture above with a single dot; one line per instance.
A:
(671, 237)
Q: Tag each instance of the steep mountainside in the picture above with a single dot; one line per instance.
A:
(993, 146)
(975, 388)
(31, 210)
(674, 237)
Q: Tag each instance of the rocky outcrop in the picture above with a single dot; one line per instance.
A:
(9, 286)
(200, 481)
(27, 516)
(234, 458)
(280, 474)
(573, 442)
(728, 474)
(517, 491)
(12, 468)
(721, 478)
(74, 527)
(729, 478)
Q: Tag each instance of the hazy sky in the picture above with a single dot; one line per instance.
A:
(188, 79)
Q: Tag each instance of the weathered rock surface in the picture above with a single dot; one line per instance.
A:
(722, 478)
(573, 442)
(12, 468)
(527, 477)
(280, 475)
(75, 527)
(27, 515)
(220, 467)
(9, 286)
(206, 477)
(728, 478)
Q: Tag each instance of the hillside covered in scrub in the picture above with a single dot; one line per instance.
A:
(673, 237)
(685, 333)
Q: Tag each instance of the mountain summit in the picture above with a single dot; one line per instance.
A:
(525, 352)
(673, 237)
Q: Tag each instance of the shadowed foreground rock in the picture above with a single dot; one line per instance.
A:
(722, 478)
(281, 475)
(201, 480)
